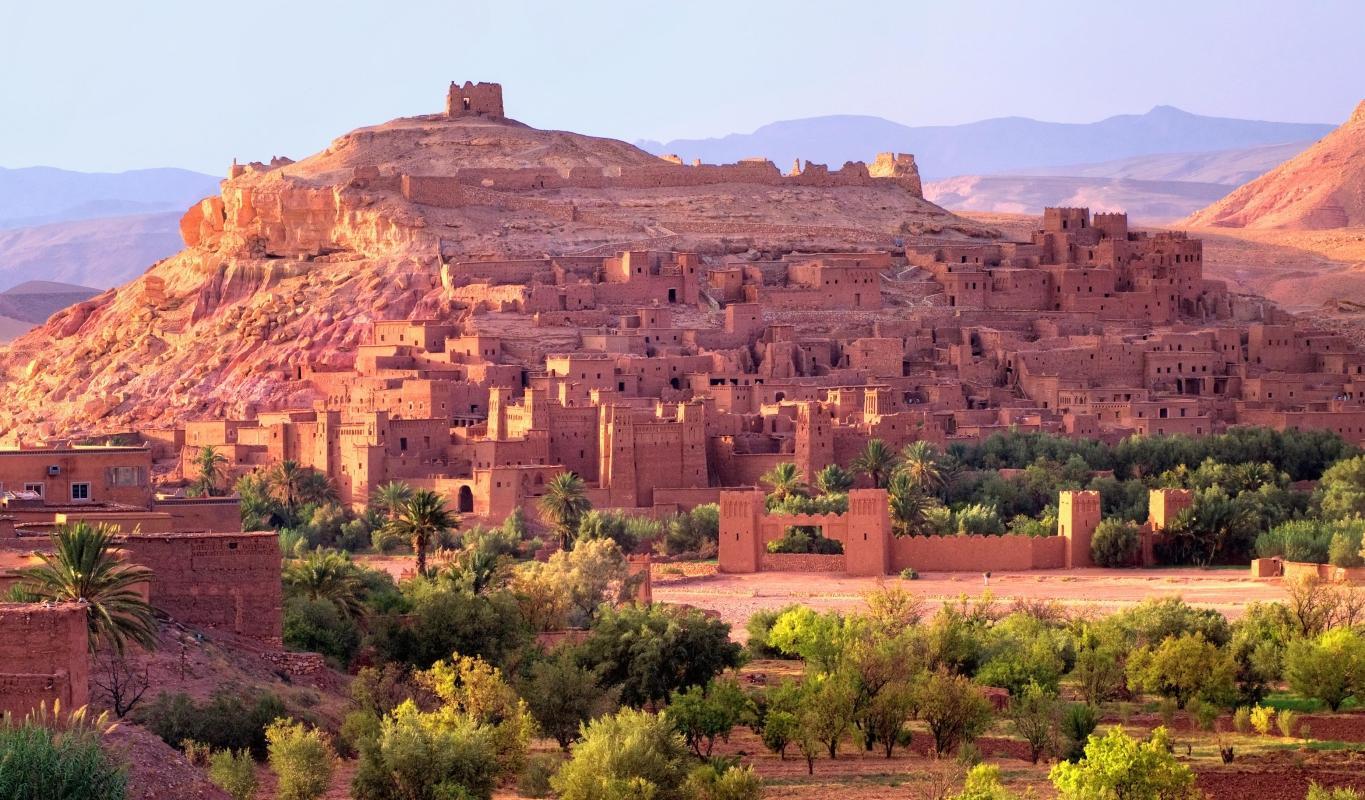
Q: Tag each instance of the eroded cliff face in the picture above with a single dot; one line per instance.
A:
(284, 269)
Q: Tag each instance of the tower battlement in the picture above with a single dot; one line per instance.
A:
(483, 99)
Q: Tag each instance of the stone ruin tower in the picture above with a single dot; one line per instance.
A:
(482, 99)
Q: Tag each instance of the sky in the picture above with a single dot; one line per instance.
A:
(95, 85)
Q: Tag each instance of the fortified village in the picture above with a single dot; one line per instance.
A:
(667, 332)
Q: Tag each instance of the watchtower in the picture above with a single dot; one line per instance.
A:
(481, 99)
(1078, 515)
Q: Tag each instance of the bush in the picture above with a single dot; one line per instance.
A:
(39, 762)
(909, 574)
(652, 651)
(1287, 721)
(1262, 717)
(1078, 722)
(1115, 543)
(725, 782)
(1318, 792)
(231, 719)
(759, 628)
(1184, 667)
(805, 541)
(1241, 720)
(778, 731)
(983, 783)
(301, 758)
(442, 620)
(1344, 551)
(534, 780)
(427, 755)
(1116, 765)
(562, 695)
(318, 626)
(234, 772)
(630, 750)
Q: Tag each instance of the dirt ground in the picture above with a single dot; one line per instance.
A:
(736, 597)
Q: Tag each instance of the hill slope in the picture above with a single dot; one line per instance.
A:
(1322, 187)
(1145, 201)
(290, 263)
(1009, 144)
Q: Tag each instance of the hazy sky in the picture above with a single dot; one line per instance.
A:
(99, 85)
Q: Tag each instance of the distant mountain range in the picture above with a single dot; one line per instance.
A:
(42, 195)
(32, 302)
(90, 252)
(1007, 144)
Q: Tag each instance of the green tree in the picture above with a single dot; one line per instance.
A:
(827, 708)
(471, 688)
(630, 754)
(1340, 492)
(818, 638)
(209, 463)
(778, 731)
(1118, 766)
(652, 651)
(1329, 667)
(876, 461)
(954, 709)
(564, 503)
(326, 575)
(1033, 714)
(703, 714)
(1183, 668)
(909, 506)
(286, 483)
(886, 714)
(301, 758)
(427, 756)
(422, 519)
(834, 479)
(1078, 721)
(84, 568)
(563, 696)
(1098, 668)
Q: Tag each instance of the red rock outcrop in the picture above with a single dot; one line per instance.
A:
(1323, 187)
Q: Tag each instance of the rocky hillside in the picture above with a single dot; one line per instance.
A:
(1323, 187)
(290, 262)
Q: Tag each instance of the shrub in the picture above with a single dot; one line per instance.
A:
(725, 782)
(1241, 720)
(1329, 668)
(1182, 668)
(1033, 715)
(534, 780)
(234, 772)
(983, 783)
(1344, 550)
(805, 541)
(1115, 542)
(779, 730)
(632, 750)
(38, 761)
(418, 754)
(318, 626)
(1261, 719)
(231, 719)
(1078, 722)
(301, 758)
(1116, 765)
(759, 628)
(1318, 792)
(909, 574)
(1287, 721)
(441, 620)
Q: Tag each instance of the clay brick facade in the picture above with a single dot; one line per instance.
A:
(44, 657)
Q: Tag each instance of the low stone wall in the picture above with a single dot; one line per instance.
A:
(801, 562)
(44, 657)
(1298, 570)
(978, 553)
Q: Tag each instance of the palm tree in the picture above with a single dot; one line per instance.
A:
(422, 518)
(919, 462)
(316, 488)
(390, 497)
(84, 568)
(908, 505)
(834, 479)
(326, 575)
(876, 462)
(564, 503)
(286, 481)
(210, 464)
(785, 482)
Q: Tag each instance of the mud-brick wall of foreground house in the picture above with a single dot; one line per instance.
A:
(870, 549)
(227, 581)
(44, 657)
